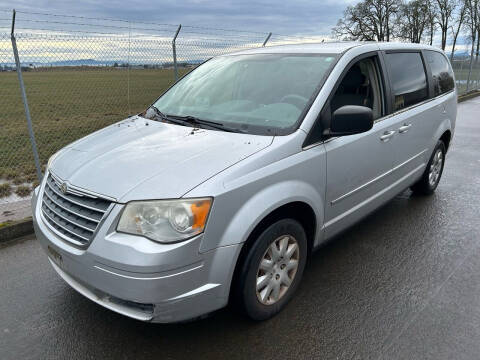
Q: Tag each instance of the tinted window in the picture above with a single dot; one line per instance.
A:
(441, 72)
(407, 75)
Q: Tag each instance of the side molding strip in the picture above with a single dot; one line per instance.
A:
(373, 197)
(344, 196)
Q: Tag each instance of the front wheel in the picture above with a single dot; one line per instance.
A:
(431, 177)
(272, 269)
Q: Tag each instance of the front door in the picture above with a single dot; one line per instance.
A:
(359, 166)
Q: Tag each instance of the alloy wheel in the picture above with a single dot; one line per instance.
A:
(435, 168)
(277, 269)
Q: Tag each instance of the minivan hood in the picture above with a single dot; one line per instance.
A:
(139, 159)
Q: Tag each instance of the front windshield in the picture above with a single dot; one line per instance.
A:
(258, 94)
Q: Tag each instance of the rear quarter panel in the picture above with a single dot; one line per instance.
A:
(446, 115)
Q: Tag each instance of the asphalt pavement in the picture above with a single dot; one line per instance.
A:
(402, 284)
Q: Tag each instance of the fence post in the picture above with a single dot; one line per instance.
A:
(470, 67)
(174, 48)
(266, 40)
(476, 69)
(128, 67)
(478, 74)
(24, 99)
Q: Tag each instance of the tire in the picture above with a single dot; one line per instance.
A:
(281, 269)
(432, 174)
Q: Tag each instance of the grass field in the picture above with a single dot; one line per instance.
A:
(66, 105)
(461, 76)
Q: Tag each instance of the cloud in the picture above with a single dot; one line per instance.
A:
(302, 17)
(77, 30)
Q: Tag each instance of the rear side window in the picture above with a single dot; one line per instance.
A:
(408, 79)
(442, 73)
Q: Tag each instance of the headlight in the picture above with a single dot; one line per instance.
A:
(165, 220)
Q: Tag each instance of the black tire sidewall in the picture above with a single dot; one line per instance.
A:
(249, 301)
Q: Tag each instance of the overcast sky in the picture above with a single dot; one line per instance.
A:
(307, 18)
(301, 17)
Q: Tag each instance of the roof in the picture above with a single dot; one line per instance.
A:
(330, 47)
(310, 48)
(405, 46)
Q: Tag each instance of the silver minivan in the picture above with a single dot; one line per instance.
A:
(224, 186)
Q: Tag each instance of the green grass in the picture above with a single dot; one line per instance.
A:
(66, 105)
(461, 74)
(23, 190)
(5, 190)
(6, 223)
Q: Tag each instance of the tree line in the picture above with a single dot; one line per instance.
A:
(414, 21)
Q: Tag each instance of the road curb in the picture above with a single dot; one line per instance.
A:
(15, 229)
(468, 96)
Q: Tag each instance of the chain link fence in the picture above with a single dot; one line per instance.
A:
(17, 171)
(82, 74)
(467, 72)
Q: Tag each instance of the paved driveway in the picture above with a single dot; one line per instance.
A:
(402, 284)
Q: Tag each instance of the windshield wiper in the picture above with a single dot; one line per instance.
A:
(158, 112)
(168, 118)
(192, 120)
(197, 121)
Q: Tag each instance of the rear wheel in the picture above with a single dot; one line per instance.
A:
(431, 177)
(272, 269)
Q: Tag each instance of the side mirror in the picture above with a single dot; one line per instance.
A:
(351, 119)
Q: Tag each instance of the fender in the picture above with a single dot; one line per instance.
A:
(262, 203)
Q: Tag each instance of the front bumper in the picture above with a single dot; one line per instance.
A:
(137, 277)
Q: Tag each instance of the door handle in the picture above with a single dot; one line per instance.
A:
(387, 135)
(404, 128)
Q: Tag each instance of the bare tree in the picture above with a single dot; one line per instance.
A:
(432, 12)
(478, 43)
(354, 25)
(445, 12)
(368, 20)
(412, 20)
(478, 31)
(472, 21)
(391, 11)
(458, 22)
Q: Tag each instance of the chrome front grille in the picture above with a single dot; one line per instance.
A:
(73, 214)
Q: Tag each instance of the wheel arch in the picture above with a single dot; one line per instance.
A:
(297, 210)
(446, 138)
(443, 132)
